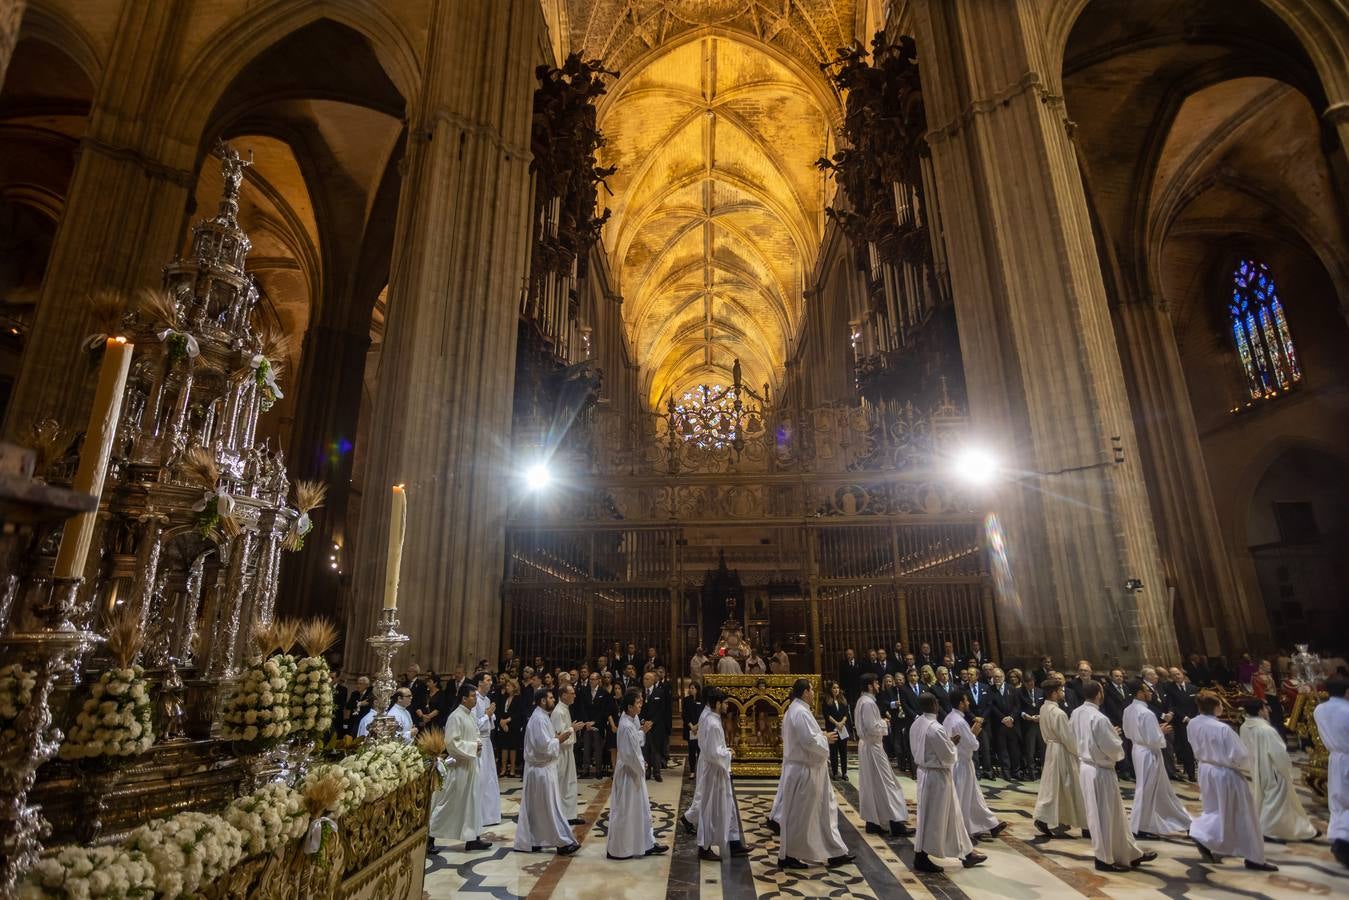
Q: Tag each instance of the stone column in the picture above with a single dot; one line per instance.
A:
(329, 388)
(1046, 390)
(123, 218)
(441, 421)
(11, 16)
(1209, 595)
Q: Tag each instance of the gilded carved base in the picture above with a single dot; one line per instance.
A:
(753, 721)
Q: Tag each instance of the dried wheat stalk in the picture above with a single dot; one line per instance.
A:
(321, 795)
(124, 635)
(284, 632)
(49, 442)
(157, 309)
(432, 742)
(107, 308)
(317, 636)
(309, 495)
(200, 468)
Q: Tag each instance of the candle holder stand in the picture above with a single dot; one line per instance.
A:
(45, 652)
(386, 641)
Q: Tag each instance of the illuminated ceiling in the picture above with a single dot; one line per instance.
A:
(717, 207)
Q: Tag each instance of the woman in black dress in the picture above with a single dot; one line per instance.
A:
(427, 713)
(604, 712)
(836, 720)
(510, 727)
(690, 711)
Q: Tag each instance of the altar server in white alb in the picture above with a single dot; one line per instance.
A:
(1157, 810)
(880, 799)
(808, 812)
(1059, 805)
(941, 825)
(979, 819)
(1272, 772)
(713, 808)
(1228, 825)
(566, 761)
(541, 822)
(455, 812)
(1332, 720)
(489, 788)
(1098, 749)
(630, 831)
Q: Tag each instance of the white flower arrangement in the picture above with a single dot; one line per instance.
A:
(16, 692)
(188, 851)
(115, 720)
(268, 818)
(90, 873)
(259, 709)
(311, 697)
(371, 774)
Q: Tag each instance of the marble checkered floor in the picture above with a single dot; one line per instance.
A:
(1022, 863)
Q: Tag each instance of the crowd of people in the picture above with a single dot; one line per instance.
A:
(948, 720)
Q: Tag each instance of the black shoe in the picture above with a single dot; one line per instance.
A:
(981, 837)
(657, 850)
(689, 827)
(1086, 833)
(997, 829)
(899, 829)
(535, 849)
(841, 860)
(1109, 867)
(1261, 867)
(791, 862)
(1340, 850)
(658, 776)
(1043, 829)
(569, 849)
(707, 854)
(576, 821)
(1209, 855)
(1147, 836)
(739, 848)
(922, 864)
(774, 827)
(431, 846)
(1147, 857)
(1063, 831)
(875, 829)
(610, 855)
(972, 859)
(475, 845)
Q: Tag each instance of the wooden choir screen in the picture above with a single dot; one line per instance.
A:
(571, 592)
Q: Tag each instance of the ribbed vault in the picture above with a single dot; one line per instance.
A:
(716, 209)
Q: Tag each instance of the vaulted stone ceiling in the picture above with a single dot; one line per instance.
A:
(717, 206)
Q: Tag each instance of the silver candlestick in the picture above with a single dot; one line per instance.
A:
(386, 641)
(45, 652)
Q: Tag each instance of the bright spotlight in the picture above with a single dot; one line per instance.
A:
(537, 476)
(975, 466)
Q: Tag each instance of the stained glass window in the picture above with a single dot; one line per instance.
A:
(706, 415)
(1260, 331)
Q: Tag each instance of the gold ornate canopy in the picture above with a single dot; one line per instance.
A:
(754, 719)
(717, 205)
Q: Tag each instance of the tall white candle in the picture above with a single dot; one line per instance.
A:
(98, 438)
(398, 518)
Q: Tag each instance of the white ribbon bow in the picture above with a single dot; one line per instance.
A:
(314, 840)
(193, 350)
(442, 768)
(270, 378)
(95, 341)
(224, 503)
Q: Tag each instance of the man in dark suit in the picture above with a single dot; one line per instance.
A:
(1181, 695)
(1160, 704)
(1114, 701)
(908, 704)
(976, 655)
(869, 665)
(850, 675)
(1002, 704)
(884, 666)
(980, 702)
(1029, 699)
(340, 693)
(654, 711)
(1073, 688)
(1197, 670)
(941, 689)
(1041, 675)
(924, 656)
(651, 662)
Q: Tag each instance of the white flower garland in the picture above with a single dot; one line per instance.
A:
(188, 851)
(116, 719)
(16, 692)
(259, 710)
(178, 856)
(268, 818)
(311, 697)
(90, 873)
